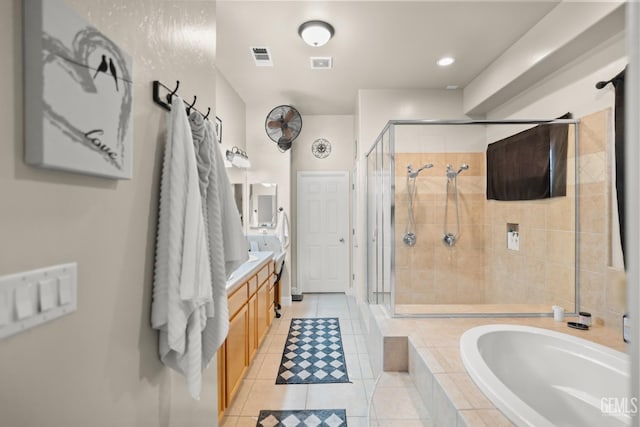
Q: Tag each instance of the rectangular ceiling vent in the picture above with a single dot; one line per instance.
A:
(262, 56)
(321, 62)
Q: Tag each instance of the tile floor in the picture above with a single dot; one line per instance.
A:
(259, 390)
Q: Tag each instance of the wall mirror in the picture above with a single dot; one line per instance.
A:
(237, 195)
(263, 205)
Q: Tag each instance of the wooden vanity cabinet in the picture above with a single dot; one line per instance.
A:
(251, 308)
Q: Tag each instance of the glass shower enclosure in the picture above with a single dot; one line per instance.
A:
(437, 247)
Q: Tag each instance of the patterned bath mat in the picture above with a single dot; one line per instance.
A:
(313, 353)
(303, 418)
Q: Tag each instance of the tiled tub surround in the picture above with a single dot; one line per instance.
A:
(431, 348)
(480, 269)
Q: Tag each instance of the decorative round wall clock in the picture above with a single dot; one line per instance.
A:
(321, 148)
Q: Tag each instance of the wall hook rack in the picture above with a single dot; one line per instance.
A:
(165, 101)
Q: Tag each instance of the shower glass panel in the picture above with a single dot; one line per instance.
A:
(508, 257)
(379, 222)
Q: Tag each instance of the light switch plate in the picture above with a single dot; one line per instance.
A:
(24, 302)
(47, 290)
(34, 297)
(64, 289)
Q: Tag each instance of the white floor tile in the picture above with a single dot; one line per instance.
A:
(351, 397)
(265, 394)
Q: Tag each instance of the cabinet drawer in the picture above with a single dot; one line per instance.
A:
(263, 275)
(253, 285)
(238, 299)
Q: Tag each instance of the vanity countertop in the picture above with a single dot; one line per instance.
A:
(256, 261)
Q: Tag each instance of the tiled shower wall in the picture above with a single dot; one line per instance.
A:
(542, 270)
(602, 288)
(480, 269)
(429, 272)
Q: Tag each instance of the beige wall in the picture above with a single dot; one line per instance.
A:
(231, 110)
(99, 365)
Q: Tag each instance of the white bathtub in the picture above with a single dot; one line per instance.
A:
(541, 378)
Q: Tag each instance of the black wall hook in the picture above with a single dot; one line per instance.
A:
(195, 97)
(173, 92)
(208, 111)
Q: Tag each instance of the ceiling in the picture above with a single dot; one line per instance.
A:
(377, 45)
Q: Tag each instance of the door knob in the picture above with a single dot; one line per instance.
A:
(341, 240)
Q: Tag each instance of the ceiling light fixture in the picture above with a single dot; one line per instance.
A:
(445, 61)
(316, 33)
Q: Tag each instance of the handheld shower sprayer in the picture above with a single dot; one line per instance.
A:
(449, 238)
(409, 237)
(414, 173)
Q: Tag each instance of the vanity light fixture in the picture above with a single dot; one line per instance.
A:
(316, 33)
(238, 158)
(445, 61)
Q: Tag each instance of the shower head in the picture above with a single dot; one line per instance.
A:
(464, 167)
(414, 173)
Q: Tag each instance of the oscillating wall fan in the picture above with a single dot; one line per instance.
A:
(283, 125)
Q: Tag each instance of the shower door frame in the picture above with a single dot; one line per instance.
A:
(390, 128)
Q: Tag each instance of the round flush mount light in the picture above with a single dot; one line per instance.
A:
(445, 61)
(316, 33)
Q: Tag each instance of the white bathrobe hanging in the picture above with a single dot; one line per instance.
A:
(182, 277)
(227, 244)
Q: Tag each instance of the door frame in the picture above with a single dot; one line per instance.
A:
(331, 173)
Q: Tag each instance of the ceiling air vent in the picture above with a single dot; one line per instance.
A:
(321, 62)
(262, 56)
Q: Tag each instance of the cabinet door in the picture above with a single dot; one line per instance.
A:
(236, 353)
(221, 381)
(253, 319)
(270, 305)
(262, 307)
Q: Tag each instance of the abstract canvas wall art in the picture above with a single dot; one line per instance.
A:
(78, 94)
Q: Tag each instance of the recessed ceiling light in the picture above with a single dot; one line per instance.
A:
(446, 60)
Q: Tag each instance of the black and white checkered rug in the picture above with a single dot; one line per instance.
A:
(313, 353)
(303, 418)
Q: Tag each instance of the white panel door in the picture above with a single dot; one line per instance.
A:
(323, 231)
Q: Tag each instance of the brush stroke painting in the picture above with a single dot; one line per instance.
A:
(78, 94)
